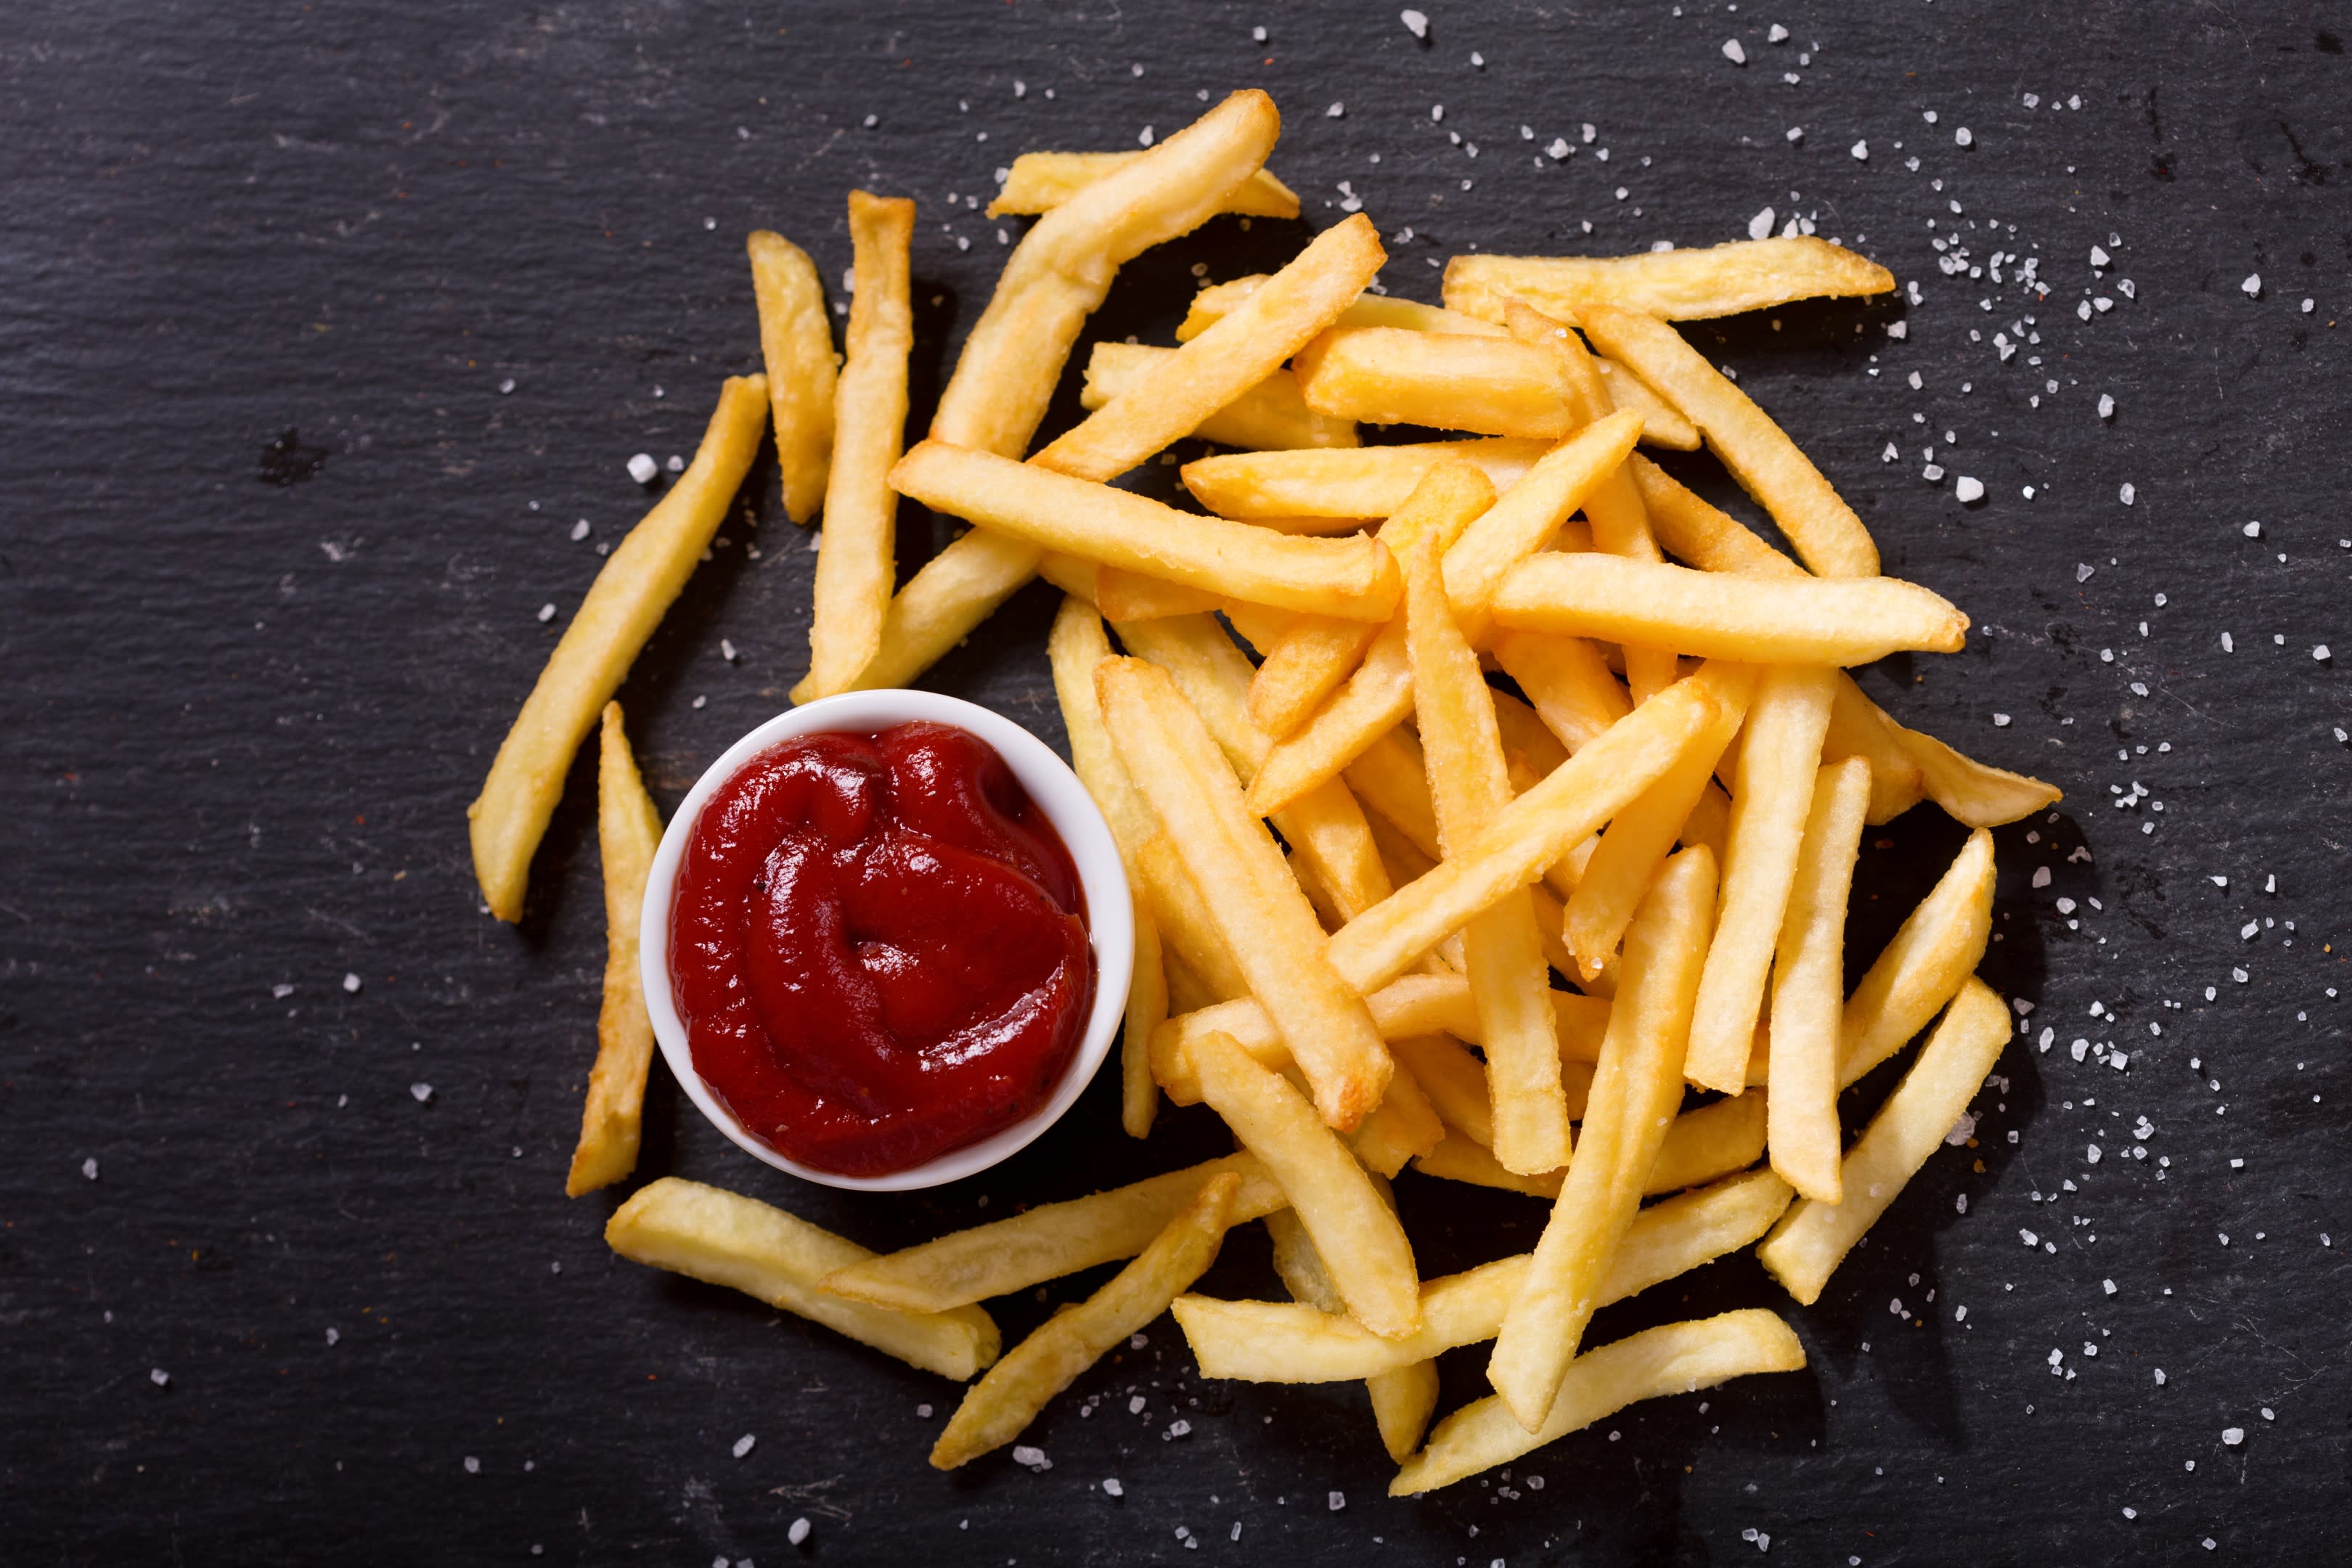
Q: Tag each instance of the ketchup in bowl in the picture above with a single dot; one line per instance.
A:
(878, 948)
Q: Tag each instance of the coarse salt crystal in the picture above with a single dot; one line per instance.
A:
(1034, 1458)
(1968, 491)
(1414, 23)
(1112, 1488)
(798, 1532)
(2127, 495)
(1733, 53)
(2233, 1435)
(89, 1170)
(546, 613)
(1861, 151)
(420, 1092)
(642, 467)
(2252, 285)
(743, 1444)
(1760, 225)
(1338, 1500)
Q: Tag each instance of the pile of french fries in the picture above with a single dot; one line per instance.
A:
(1357, 865)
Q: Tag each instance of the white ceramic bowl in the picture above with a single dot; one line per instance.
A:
(1058, 794)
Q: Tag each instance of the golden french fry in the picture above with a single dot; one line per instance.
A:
(1690, 529)
(1213, 304)
(1368, 481)
(1354, 1229)
(1797, 620)
(1663, 425)
(1809, 983)
(1455, 1081)
(724, 1238)
(1526, 738)
(1827, 534)
(1146, 1009)
(1857, 729)
(1123, 596)
(1780, 754)
(1680, 1358)
(855, 564)
(1040, 181)
(1402, 1127)
(1403, 1397)
(632, 591)
(1938, 948)
(1017, 1388)
(1524, 516)
(1403, 1401)
(1299, 1265)
(628, 831)
(1183, 918)
(1635, 1088)
(1673, 285)
(1709, 1143)
(1975, 794)
(1394, 376)
(1567, 681)
(1176, 395)
(796, 342)
(1812, 1238)
(1271, 416)
(1302, 667)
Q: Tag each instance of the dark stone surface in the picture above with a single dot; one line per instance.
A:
(268, 567)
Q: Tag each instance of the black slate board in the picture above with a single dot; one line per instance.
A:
(276, 533)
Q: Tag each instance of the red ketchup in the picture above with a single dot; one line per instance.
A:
(878, 946)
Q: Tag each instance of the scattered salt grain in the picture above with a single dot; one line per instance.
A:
(2252, 285)
(1337, 1501)
(1111, 1487)
(642, 467)
(1034, 1458)
(1861, 151)
(2233, 1435)
(1733, 53)
(89, 1170)
(798, 1532)
(546, 613)
(159, 1377)
(420, 1092)
(1968, 491)
(1414, 23)
(743, 1445)
(2127, 495)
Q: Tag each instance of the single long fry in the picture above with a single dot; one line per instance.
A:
(1938, 948)
(624, 605)
(1270, 415)
(1680, 1358)
(1827, 534)
(1309, 1341)
(1403, 1401)
(628, 831)
(1454, 1080)
(1780, 754)
(1183, 917)
(1635, 1089)
(1672, 285)
(797, 342)
(855, 564)
(1353, 1227)
(1368, 481)
(1812, 1238)
(1213, 304)
(1401, 1129)
(1567, 682)
(1858, 728)
(1662, 424)
(1040, 181)
(1002, 1404)
(1976, 794)
(1806, 620)
(1527, 738)
(724, 1238)
(1524, 516)
(1699, 1146)
(1302, 668)
(1391, 375)
(1808, 984)
(1263, 916)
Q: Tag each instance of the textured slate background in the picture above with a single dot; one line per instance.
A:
(273, 544)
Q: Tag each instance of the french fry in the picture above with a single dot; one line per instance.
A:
(1525, 737)
(1938, 948)
(1509, 981)
(1401, 1128)
(1691, 530)
(1176, 395)
(1699, 1146)
(1259, 909)
(1392, 375)
(1680, 1358)
(1567, 682)
(1663, 425)
(1302, 668)
(1017, 1388)
(1780, 754)
(1828, 536)
(1124, 595)
(1046, 1242)
(1040, 181)
(1455, 1081)
(1797, 620)
(632, 592)
(724, 1238)
(1368, 481)
(1524, 516)
(1976, 794)
(1672, 285)
(1808, 984)
(1635, 1088)
(1352, 578)
(796, 342)
(628, 831)
(1858, 728)
(1404, 1395)
(855, 564)
(1354, 1229)
(1812, 1238)
(1213, 304)
(1183, 918)
(1403, 1401)
(1271, 416)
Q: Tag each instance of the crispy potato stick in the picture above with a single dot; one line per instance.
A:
(855, 564)
(1526, 515)
(1353, 1227)
(1711, 821)
(1699, 1146)
(1509, 981)
(624, 605)
(1403, 1397)
(1526, 737)
(1369, 481)
(1006, 376)
(1976, 794)
(1806, 620)
(1641, 836)
(1269, 416)
(724, 1238)
(1672, 285)
(1403, 1401)
(1828, 536)
(628, 831)
(1040, 181)
(796, 342)
(1857, 729)
(1213, 304)
(1808, 984)
(1394, 375)
(1045, 1243)
(1780, 755)
(1567, 681)
(1302, 667)
(1680, 1358)
(1455, 1081)
(1015, 1389)
(1931, 956)
(1176, 395)
(1635, 1089)
(1258, 908)
(1183, 918)
(1663, 425)
(1693, 530)
(1310, 1341)
(1531, 832)
(1351, 577)
(1806, 1247)
(1123, 596)
(1403, 1126)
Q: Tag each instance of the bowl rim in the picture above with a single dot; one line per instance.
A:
(1110, 927)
